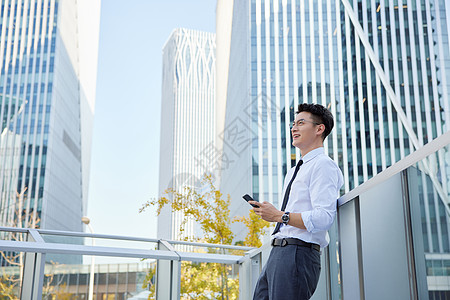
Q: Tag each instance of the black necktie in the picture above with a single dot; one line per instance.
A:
(286, 195)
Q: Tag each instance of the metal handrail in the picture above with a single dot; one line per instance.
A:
(71, 249)
(40, 246)
(125, 238)
(415, 157)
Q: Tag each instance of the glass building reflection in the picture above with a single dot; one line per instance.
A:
(47, 96)
(380, 67)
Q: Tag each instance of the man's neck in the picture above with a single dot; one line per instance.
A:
(305, 151)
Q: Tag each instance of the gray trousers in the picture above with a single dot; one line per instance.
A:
(292, 272)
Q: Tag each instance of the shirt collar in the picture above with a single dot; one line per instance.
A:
(313, 153)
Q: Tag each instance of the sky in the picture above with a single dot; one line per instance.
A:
(125, 147)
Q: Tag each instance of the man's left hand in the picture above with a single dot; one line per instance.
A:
(267, 211)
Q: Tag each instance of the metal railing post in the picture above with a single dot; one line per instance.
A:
(33, 270)
(168, 275)
(249, 271)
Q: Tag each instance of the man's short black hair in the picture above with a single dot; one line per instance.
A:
(320, 115)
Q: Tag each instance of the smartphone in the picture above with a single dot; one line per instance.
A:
(247, 198)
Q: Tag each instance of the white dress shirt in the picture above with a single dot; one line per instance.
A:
(314, 194)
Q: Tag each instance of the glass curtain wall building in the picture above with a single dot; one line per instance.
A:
(48, 56)
(187, 119)
(381, 67)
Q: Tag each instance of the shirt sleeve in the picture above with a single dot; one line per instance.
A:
(326, 180)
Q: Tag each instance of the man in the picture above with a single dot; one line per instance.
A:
(309, 207)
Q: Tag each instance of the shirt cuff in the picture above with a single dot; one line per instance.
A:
(306, 217)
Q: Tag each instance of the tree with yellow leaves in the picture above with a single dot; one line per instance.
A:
(256, 227)
(212, 213)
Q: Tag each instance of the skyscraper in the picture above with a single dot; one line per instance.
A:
(380, 67)
(325, 52)
(48, 56)
(187, 119)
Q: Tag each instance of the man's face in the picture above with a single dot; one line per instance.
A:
(306, 131)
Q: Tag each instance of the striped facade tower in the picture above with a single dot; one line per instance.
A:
(187, 120)
(382, 69)
(48, 56)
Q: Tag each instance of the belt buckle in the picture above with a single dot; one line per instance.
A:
(283, 242)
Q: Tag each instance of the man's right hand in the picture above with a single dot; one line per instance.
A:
(267, 211)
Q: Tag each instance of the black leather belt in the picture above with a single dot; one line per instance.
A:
(292, 241)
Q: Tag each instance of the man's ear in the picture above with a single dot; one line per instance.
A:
(320, 129)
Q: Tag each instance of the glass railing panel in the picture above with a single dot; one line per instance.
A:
(331, 263)
(225, 250)
(428, 187)
(135, 279)
(11, 268)
(59, 239)
(209, 281)
(13, 236)
(122, 278)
